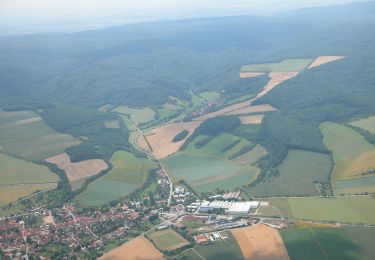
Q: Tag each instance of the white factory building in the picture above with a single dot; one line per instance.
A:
(230, 207)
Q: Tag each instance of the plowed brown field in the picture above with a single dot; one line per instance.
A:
(324, 59)
(79, 170)
(160, 139)
(260, 242)
(136, 249)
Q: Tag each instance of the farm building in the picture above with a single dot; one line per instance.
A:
(229, 207)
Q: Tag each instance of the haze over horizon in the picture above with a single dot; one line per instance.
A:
(38, 16)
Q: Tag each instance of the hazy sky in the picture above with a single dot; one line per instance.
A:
(75, 14)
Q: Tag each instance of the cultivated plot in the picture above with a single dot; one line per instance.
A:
(138, 115)
(367, 124)
(290, 65)
(25, 134)
(323, 60)
(260, 242)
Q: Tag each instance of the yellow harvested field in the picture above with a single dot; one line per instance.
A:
(354, 167)
(136, 249)
(323, 60)
(253, 109)
(249, 120)
(244, 75)
(79, 170)
(276, 79)
(160, 139)
(260, 242)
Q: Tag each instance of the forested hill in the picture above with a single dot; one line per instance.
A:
(143, 64)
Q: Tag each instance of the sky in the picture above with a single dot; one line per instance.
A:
(27, 16)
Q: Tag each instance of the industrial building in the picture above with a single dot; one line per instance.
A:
(229, 207)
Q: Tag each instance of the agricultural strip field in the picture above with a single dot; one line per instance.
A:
(78, 171)
(260, 242)
(352, 154)
(289, 65)
(135, 249)
(24, 134)
(249, 120)
(320, 243)
(167, 239)
(228, 249)
(353, 209)
(252, 156)
(366, 124)
(298, 172)
(244, 75)
(323, 60)
(19, 178)
(138, 115)
(128, 173)
(161, 138)
(209, 168)
(364, 238)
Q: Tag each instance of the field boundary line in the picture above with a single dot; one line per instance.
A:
(318, 244)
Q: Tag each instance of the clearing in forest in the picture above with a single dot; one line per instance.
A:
(290, 65)
(78, 170)
(260, 242)
(138, 115)
(323, 60)
(24, 134)
(167, 239)
(367, 124)
(249, 120)
(160, 139)
(244, 75)
(136, 249)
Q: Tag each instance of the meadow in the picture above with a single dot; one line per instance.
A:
(366, 124)
(24, 134)
(167, 239)
(289, 65)
(20, 178)
(298, 172)
(319, 243)
(210, 96)
(128, 173)
(352, 155)
(138, 115)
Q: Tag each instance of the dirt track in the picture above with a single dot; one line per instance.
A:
(79, 170)
(260, 242)
(323, 60)
(136, 249)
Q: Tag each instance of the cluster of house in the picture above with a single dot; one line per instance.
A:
(212, 237)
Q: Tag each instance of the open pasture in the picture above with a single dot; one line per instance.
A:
(135, 249)
(160, 138)
(221, 249)
(210, 96)
(260, 242)
(319, 243)
(321, 60)
(252, 156)
(298, 173)
(366, 124)
(352, 154)
(25, 134)
(138, 115)
(79, 170)
(289, 65)
(112, 124)
(353, 209)
(19, 178)
(167, 239)
(128, 173)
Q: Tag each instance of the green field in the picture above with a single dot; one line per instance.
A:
(357, 185)
(112, 124)
(252, 156)
(366, 124)
(297, 175)
(353, 209)
(167, 239)
(19, 178)
(352, 155)
(289, 65)
(319, 243)
(222, 249)
(364, 238)
(210, 96)
(128, 173)
(165, 113)
(196, 100)
(138, 115)
(282, 206)
(24, 134)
